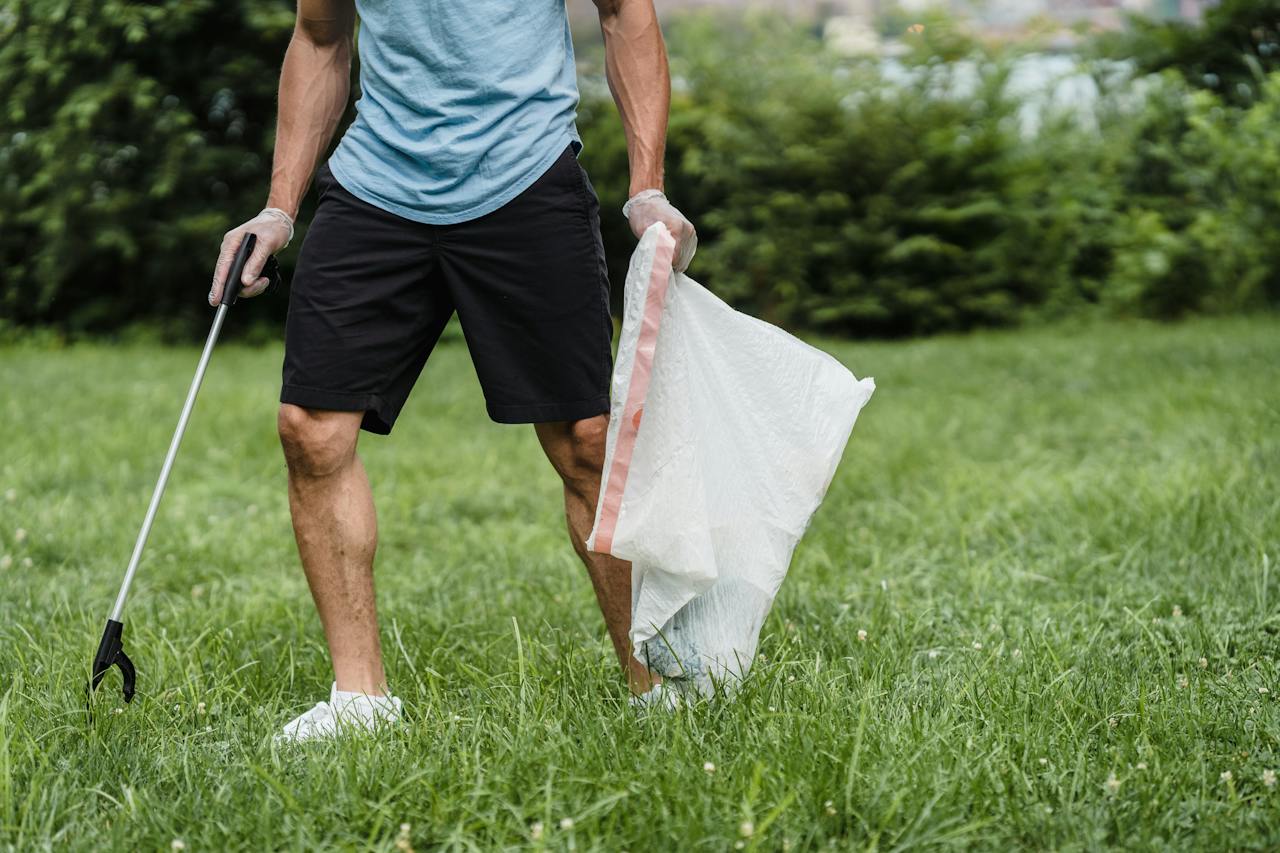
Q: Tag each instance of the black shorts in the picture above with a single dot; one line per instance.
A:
(373, 291)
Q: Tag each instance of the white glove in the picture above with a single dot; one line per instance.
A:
(274, 229)
(649, 206)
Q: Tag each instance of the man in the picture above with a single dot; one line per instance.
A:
(457, 187)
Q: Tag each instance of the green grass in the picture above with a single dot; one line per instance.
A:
(1062, 545)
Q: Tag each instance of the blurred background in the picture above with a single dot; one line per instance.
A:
(871, 168)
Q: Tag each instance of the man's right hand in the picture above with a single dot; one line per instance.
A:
(274, 230)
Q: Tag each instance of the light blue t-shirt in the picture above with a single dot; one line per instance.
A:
(463, 104)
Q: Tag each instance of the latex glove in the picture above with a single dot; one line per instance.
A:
(649, 206)
(274, 229)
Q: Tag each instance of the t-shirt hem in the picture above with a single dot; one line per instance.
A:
(491, 203)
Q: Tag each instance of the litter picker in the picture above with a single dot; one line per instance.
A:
(111, 648)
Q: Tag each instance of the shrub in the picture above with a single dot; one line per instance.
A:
(131, 136)
(835, 195)
(1231, 51)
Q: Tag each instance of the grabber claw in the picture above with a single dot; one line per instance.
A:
(111, 653)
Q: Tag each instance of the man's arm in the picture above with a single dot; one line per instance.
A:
(314, 88)
(640, 80)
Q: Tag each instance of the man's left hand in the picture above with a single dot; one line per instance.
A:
(650, 206)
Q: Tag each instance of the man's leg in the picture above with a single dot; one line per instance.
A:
(576, 450)
(337, 533)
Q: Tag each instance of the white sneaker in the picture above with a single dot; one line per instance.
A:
(355, 711)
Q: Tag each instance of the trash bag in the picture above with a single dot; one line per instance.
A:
(724, 435)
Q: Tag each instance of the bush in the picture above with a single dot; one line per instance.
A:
(828, 198)
(131, 136)
(1194, 219)
(834, 195)
(1230, 52)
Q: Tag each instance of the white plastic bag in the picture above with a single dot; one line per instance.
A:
(724, 434)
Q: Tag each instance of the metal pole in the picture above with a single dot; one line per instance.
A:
(118, 610)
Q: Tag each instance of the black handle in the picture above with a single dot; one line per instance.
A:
(231, 287)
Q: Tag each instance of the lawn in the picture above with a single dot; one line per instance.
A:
(1061, 545)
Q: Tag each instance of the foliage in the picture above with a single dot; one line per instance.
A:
(838, 195)
(1196, 228)
(825, 199)
(1018, 520)
(1230, 51)
(131, 136)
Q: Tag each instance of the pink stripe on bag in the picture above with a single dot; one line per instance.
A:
(655, 299)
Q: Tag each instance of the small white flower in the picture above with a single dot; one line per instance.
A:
(1112, 783)
(773, 709)
(1225, 775)
(1017, 653)
(566, 823)
(1264, 691)
(1048, 809)
(1177, 612)
(404, 827)
(790, 678)
(118, 711)
(535, 830)
(1183, 682)
(20, 535)
(709, 766)
(1113, 721)
(746, 829)
(862, 636)
(977, 645)
(27, 562)
(200, 706)
(829, 807)
(933, 653)
(762, 658)
(1044, 762)
(1141, 765)
(177, 844)
(738, 845)
(1204, 663)
(1269, 778)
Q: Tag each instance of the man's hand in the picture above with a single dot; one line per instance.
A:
(650, 206)
(274, 230)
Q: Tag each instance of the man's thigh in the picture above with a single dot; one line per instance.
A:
(365, 309)
(532, 292)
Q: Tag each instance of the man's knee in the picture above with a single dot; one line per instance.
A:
(581, 454)
(587, 438)
(317, 443)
